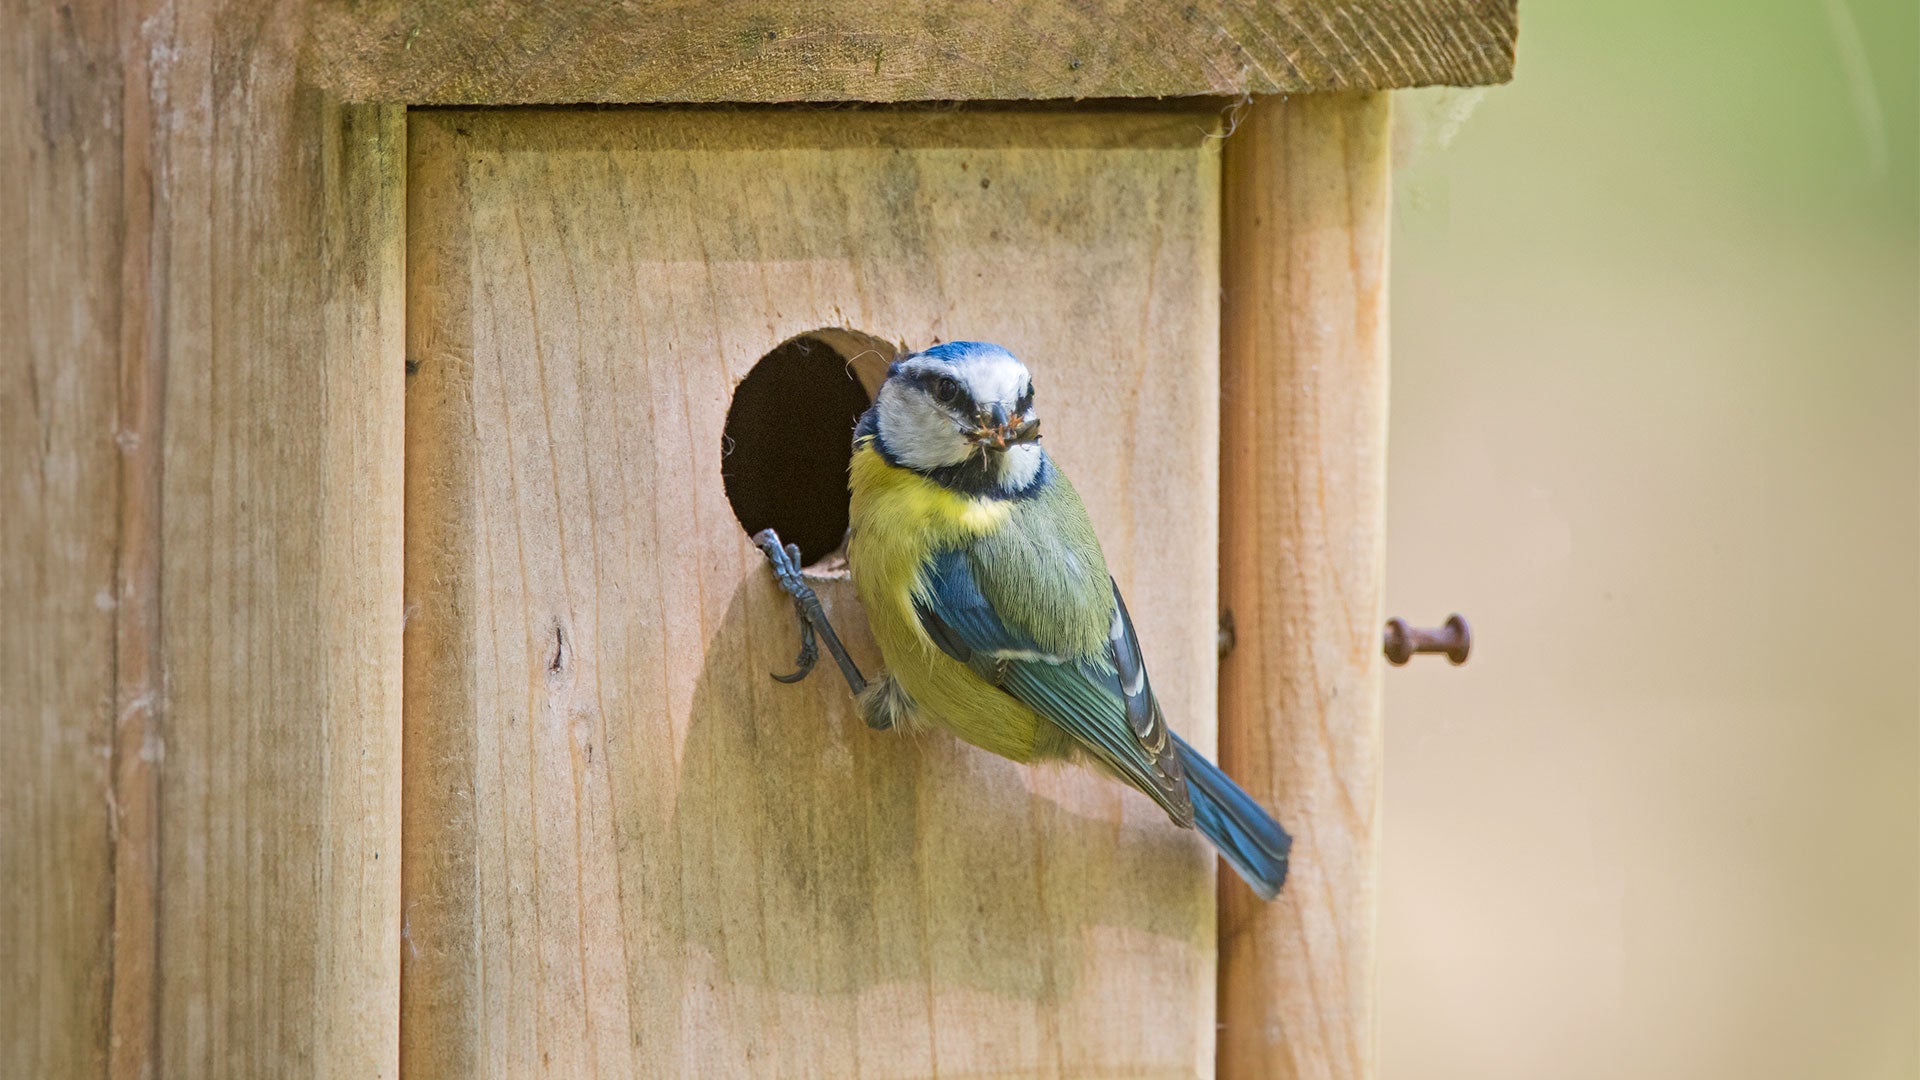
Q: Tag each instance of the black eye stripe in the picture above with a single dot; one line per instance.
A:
(929, 382)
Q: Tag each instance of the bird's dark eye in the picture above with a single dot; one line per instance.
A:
(946, 389)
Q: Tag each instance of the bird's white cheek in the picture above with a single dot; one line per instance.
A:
(1019, 465)
(918, 436)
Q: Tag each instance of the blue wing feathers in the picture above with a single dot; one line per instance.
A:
(1130, 670)
(1084, 696)
(967, 621)
(1026, 605)
(1247, 836)
(1106, 703)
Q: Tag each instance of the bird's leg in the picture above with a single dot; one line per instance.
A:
(813, 618)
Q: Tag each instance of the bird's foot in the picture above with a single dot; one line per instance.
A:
(786, 571)
(813, 618)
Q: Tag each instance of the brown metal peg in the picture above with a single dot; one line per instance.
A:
(1454, 639)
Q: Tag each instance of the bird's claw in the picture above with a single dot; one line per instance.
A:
(786, 570)
(813, 618)
(809, 652)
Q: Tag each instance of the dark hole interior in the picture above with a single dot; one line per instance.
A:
(788, 439)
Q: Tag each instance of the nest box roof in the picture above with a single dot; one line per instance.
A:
(574, 51)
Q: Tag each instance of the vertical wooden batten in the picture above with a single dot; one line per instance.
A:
(271, 271)
(1303, 468)
(363, 394)
(202, 378)
(274, 269)
(60, 301)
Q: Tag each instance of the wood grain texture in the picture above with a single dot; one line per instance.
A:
(202, 638)
(59, 310)
(274, 266)
(456, 52)
(628, 850)
(1303, 429)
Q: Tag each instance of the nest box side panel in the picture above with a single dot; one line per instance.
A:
(60, 225)
(628, 850)
(200, 416)
(1303, 559)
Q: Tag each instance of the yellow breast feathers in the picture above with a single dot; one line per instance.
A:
(900, 519)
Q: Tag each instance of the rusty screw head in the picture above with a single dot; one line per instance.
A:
(1403, 642)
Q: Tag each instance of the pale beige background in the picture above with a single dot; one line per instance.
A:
(1657, 431)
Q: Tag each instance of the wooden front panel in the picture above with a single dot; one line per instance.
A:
(628, 850)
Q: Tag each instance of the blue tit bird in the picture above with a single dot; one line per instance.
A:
(989, 597)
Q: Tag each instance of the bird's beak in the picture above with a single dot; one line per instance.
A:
(998, 430)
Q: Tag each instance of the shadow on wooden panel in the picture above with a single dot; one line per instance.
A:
(895, 838)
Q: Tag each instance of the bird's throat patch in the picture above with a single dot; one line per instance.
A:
(947, 513)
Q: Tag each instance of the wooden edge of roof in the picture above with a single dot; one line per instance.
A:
(496, 52)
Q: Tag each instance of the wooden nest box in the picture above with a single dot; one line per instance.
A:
(405, 657)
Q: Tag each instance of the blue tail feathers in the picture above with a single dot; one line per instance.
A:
(1246, 834)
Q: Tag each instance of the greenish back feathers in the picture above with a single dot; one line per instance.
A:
(1015, 596)
(986, 590)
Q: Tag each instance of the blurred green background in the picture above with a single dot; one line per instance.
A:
(1656, 431)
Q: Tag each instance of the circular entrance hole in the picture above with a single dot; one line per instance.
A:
(789, 436)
